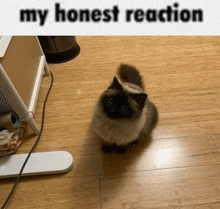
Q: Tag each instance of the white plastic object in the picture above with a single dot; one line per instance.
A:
(4, 42)
(40, 163)
(24, 111)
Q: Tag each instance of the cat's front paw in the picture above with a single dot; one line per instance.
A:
(134, 143)
(107, 148)
(121, 149)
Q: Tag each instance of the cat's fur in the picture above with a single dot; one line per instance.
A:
(123, 112)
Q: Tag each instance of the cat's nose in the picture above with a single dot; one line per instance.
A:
(112, 110)
(121, 112)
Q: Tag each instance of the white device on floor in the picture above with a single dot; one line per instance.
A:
(40, 163)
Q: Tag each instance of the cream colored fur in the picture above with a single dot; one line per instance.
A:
(123, 131)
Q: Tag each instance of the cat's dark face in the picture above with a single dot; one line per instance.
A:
(118, 104)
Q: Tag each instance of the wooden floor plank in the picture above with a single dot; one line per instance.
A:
(56, 191)
(168, 188)
(178, 168)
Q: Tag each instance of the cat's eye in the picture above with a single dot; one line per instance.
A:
(110, 100)
(124, 107)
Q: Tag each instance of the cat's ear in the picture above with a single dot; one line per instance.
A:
(115, 84)
(139, 98)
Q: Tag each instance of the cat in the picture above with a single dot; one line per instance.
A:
(123, 112)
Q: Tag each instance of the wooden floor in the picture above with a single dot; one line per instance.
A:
(178, 168)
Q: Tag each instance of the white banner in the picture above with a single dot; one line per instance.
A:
(110, 17)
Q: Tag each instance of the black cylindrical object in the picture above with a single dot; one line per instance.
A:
(9, 120)
(58, 49)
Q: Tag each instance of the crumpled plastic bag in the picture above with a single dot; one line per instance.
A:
(9, 142)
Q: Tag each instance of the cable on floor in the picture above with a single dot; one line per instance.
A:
(34, 146)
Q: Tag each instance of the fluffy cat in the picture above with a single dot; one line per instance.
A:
(123, 112)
